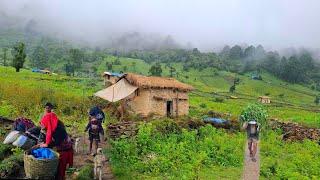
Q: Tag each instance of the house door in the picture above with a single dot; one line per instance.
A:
(169, 108)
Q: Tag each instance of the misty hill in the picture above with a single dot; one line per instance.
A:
(30, 32)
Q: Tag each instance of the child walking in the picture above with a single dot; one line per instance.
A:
(94, 129)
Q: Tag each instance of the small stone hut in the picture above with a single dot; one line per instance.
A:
(153, 95)
(264, 99)
(111, 78)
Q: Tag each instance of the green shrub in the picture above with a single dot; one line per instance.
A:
(4, 150)
(11, 165)
(288, 160)
(7, 110)
(203, 105)
(166, 126)
(86, 173)
(254, 112)
(175, 155)
(219, 99)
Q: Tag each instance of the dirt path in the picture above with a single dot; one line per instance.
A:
(251, 169)
(80, 159)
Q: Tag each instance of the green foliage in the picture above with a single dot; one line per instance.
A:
(85, 173)
(11, 165)
(76, 58)
(7, 110)
(203, 105)
(317, 99)
(155, 70)
(17, 151)
(219, 99)
(19, 56)
(5, 50)
(176, 154)
(39, 57)
(254, 112)
(232, 89)
(4, 150)
(288, 160)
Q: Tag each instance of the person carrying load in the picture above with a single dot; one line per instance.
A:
(97, 113)
(252, 129)
(56, 136)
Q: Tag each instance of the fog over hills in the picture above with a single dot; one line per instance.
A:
(208, 25)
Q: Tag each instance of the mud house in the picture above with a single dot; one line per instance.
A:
(264, 99)
(111, 78)
(149, 95)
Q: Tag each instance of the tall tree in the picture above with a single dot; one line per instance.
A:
(155, 70)
(39, 57)
(236, 52)
(317, 100)
(76, 58)
(109, 66)
(172, 71)
(249, 52)
(19, 56)
(5, 56)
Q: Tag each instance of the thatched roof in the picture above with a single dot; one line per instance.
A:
(264, 97)
(156, 82)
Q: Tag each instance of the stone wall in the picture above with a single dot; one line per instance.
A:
(155, 101)
(140, 104)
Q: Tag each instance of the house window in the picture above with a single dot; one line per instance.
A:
(137, 92)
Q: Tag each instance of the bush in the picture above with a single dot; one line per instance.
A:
(4, 150)
(7, 110)
(219, 99)
(175, 155)
(202, 105)
(86, 173)
(254, 112)
(166, 126)
(294, 160)
(11, 165)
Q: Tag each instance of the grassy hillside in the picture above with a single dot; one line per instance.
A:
(23, 94)
(290, 102)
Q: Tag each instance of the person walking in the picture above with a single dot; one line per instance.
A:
(252, 129)
(94, 129)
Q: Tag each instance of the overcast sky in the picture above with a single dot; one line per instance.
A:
(205, 23)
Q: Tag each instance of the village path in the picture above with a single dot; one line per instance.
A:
(80, 159)
(251, 169)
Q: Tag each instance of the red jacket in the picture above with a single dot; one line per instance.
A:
(50, 122)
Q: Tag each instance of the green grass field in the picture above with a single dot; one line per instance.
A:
(23, 94)
(290, 102)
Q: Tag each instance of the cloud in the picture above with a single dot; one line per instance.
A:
(205, 23)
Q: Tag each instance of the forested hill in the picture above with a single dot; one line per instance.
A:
(55, 54)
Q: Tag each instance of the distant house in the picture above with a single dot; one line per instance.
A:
(149, 95)
(256, 77)
(44, 71)
(111, 78)
(264, 99)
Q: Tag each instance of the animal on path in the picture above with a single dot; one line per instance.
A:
(77, 145)
(99, 160)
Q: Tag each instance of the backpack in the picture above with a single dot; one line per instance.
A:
(22, 124)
